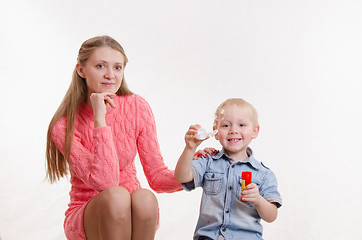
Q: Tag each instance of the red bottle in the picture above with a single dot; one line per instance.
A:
(245, 181)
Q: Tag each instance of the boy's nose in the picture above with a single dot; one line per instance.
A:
(233, 131)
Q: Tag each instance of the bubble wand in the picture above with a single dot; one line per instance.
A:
(202, 134)
(245, 181)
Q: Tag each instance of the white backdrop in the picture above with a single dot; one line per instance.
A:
(298, 62)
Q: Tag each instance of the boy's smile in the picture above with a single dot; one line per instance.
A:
(235, 131)
(234, 139)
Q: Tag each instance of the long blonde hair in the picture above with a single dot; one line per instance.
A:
(57, 163)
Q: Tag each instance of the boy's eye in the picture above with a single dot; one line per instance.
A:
(225, 125)
(100, 66)
(118, 67)
(242, 125)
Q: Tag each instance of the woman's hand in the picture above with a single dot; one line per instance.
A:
(205, 152)
(100, 102)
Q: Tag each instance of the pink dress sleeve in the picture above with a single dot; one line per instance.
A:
(97, 168)
(159, 177)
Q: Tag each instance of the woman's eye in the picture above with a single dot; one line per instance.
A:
(118, 67)
(100, 66)
(225, 125)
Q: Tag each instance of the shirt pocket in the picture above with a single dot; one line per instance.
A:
(213, 183)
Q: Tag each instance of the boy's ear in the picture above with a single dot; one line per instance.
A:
(217, 134)
(255, 132)
(80, 70)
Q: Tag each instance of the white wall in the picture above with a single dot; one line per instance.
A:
(298, 62)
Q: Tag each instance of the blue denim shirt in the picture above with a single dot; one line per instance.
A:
(222, 212)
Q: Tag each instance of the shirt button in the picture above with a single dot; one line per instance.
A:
(213, 176)
(224, 229)
(233, 166)
(230, 187)
(227, 211)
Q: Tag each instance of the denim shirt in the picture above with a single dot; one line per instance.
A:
(222, 212)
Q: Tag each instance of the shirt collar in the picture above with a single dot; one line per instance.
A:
(251, 160)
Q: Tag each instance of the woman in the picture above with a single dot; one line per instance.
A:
(95, 134)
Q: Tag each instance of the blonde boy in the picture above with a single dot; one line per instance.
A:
(222, 213)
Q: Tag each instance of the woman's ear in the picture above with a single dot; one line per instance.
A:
(80, 70)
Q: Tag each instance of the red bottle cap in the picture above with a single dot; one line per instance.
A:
(247, 177)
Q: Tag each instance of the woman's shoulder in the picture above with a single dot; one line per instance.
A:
(61, 123)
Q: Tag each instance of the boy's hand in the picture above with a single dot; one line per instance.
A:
(267, 211)
(191, 137)
(251, 194)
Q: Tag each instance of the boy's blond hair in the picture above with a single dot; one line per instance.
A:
(239, 102)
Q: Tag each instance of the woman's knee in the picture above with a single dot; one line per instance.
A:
(108, 212)
(144, 204)
(115, 202)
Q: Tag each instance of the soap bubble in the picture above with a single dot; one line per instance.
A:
(220, 115)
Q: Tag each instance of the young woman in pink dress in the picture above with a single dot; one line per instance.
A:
(95, 135)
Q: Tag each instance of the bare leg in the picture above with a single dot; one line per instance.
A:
(144, 214)
(108, 215)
